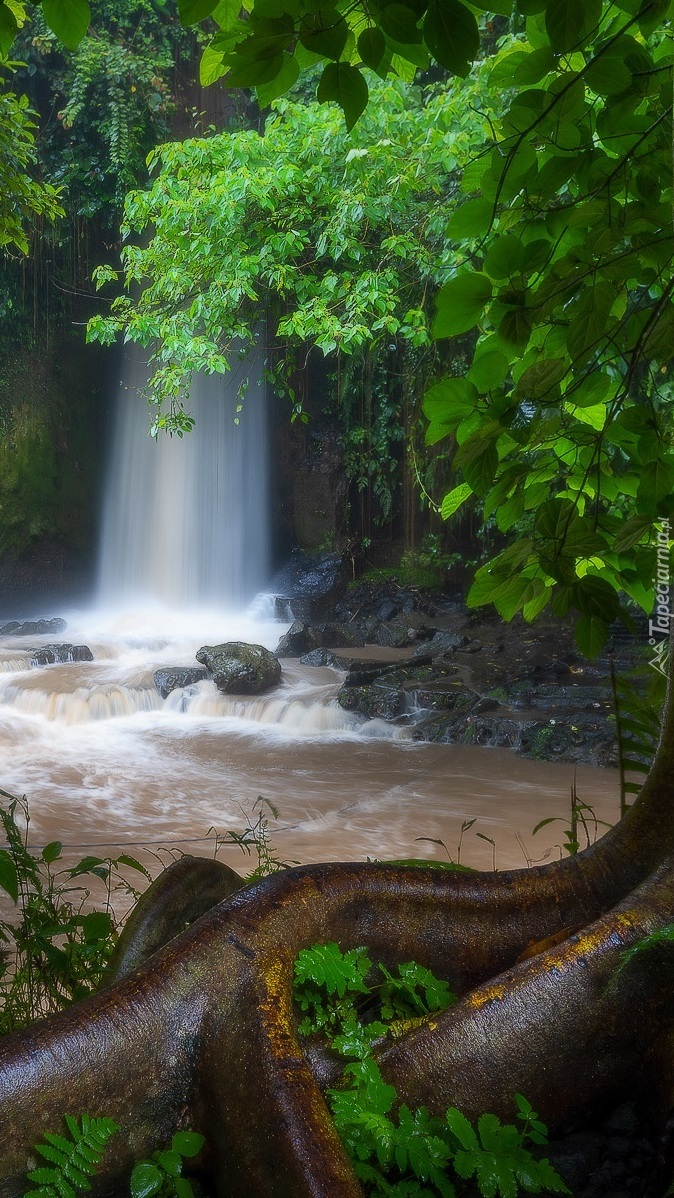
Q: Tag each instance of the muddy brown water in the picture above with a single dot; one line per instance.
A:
(108, 766)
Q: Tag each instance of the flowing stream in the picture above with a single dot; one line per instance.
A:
(108, 765)
(105, 762)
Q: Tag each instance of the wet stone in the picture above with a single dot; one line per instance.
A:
(300, 638)
(33, 627)
(172, 678)
(49, 655)
(240, 669)
(318, 657)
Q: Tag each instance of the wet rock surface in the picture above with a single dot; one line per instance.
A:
(457, 676)
(172, 678)
(49, 655)
(240, 669)
(33, 627)
(309, 585)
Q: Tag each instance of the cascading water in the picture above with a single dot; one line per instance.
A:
(107, 763)
(186, 520)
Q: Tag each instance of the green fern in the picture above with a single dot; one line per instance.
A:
(72, 1162)
(637, 719)
(496, 1156)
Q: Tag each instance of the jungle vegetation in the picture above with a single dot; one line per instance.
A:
(558, 420)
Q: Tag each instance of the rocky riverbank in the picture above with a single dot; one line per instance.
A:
(460, 676)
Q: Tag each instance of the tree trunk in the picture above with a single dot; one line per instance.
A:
(203, 1034)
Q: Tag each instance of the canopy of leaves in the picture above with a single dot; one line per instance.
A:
(328, 239)
(23, 200)
(562, 423)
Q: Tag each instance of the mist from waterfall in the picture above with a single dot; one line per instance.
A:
(186, 520)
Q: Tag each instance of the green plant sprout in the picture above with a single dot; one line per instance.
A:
(162, 1175)
(73, 1159)
(397, 1152)
(582, 818)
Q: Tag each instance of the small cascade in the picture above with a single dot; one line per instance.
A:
(82, 705)
(185, 520)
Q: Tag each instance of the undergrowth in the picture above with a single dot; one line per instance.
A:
(55, 948)
(397, 1152)
(74, 1158)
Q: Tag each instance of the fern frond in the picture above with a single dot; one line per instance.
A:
(73, 1161)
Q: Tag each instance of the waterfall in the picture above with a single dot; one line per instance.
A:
(185, 520)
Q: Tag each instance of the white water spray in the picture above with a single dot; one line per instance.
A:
(185, 520)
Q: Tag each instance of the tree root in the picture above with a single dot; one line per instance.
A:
(203, 1034)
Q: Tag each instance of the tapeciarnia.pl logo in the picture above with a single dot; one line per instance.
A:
(659, 623)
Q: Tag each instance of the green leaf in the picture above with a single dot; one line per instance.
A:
(461, 1128)
(372, 48)
(478, 459)
(452, 35)
(657, 482)
(460, 304)
(400, 23)
(489, 370)
(8, 29)
(542, 380)
(51, 852)
(450, 401)
(471, 219)
(284, 80)
(146, 1179)
(515, 328)
(96, 925)
(590, 634)
(324, 32)
(454, 499)
(569, 22)
(631, 533)
(68, 19)
(346, 86)
(193, 11)
(9, 881)
(535, 66)
(505, 257)
(250, 72)
(187, 1143)
(212, 66)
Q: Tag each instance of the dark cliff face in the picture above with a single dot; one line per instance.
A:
(52, 441)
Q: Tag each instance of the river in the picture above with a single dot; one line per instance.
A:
(108, 766)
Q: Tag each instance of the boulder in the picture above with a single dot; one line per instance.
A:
(49, 655)
(309, 584)
(300, 638)
(318, 657)
(442, 643)
(241, 669)
(173, 678)
(341, 636)
(33, 627)
(394, 634)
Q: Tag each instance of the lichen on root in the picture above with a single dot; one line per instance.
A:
(203, 1033)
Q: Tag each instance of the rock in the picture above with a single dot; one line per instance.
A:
(378, 700)
(241, 669)
(342, 636)
(442, 643)
(318, 657)
(310, 584)
(387, 610)
(173, 678)
(393, 635)
(300, 638)
(48, 655)
(33, 627)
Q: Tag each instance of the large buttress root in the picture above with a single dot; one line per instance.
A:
(203, 1034)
